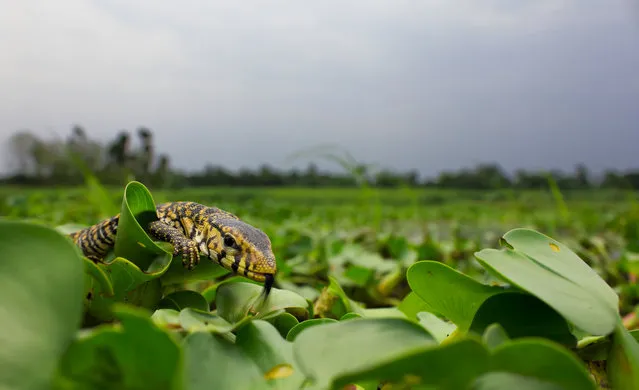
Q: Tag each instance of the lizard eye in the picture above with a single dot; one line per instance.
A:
(229, 241)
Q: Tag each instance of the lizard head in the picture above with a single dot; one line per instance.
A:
(243, 249)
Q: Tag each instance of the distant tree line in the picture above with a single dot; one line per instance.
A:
(45, 162)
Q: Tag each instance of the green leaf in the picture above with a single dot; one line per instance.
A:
(284, 323)
(210, 293)
(193, 320)
(494, 336)
(213, 362)
(269, 351)
(235, 301)
(350, 316)
(439, 328)
(380, 312)
(523, 315)
(506, 380)
(139, 355)
(448, 367)
(449, 292)
(132, 241)
(413, 304)
(558, 258)
(41, 284)
(364, 343)
(167, 318)
(260, 358)
(98, 274)
(297, 329)
(598, 347)
(543, 360)
(130, 285)
(623, 360)
(457, 364)
(575, 303)
(179, 300)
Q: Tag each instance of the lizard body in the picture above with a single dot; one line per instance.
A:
(195, 229)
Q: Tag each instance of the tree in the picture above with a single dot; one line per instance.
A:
(146, 154)
(20, 152)
(582, 176)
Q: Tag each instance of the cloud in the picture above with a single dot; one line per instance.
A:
(426, 84)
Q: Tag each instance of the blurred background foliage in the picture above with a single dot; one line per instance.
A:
(35, 160)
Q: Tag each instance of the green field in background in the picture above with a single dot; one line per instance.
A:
(363, 242)
(400, 211)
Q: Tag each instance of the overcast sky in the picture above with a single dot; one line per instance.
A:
(425, 84)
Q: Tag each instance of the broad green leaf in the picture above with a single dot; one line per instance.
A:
(439, 328)
(494, 336)
(210, 293)
(98, 274)
(623, 360)
(507, 380)
(446, 367)
(381, 312)
(137, 355)
(297, 329)
(322, 360)
(598, 347)
(413, 304)
(41, 284)
(130, 285)
(167, 318)
(179, 300)
(235, 301)
(348, 316)
(147, 295)
(271, 353)
(132, 241)
(213, 362)
(544, 360)
(449, 292)
(523, 315)
(575, 303)
(558, 258)
(193, 320)
(284, 323)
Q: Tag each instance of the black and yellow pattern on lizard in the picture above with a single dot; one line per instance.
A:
(195, 229)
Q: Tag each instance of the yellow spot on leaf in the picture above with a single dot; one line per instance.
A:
(411, 379)
(141, 244)
(554, 247)
(279, 371)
